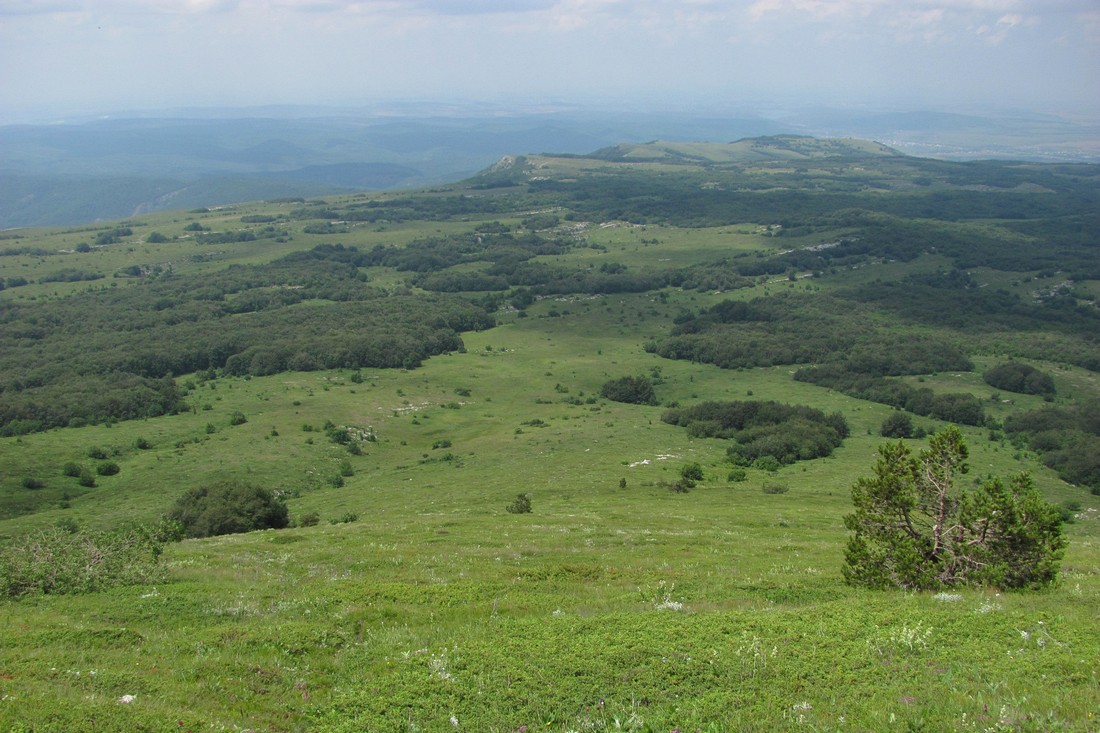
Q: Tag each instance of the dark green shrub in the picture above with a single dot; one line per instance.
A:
(691, 472)
(228, 508)
(632, 390)
(97, 453)
(737, 475)
(520, 505)
(30, 482)
(775, 488)
(309, 519)
(897, 425)
(1014, 376)
(237, 418)
(341, 436)
(141, 444)
(86, 479)
(109, 468)
(71, 469)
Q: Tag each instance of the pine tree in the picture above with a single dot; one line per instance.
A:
(912, 528)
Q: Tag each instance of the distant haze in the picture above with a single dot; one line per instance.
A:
(60, 58)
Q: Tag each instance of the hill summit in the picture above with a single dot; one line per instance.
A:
(747, 150)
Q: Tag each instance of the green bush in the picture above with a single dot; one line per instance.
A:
(520, 505)
(897, 425)
(228, 508)
(632, 390)
(61, 561)
(71, 469)
(309, 519)
(109, 468)
(691, 472)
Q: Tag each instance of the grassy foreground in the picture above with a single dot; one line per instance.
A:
(606, 608)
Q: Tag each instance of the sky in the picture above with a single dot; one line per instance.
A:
(65, 57)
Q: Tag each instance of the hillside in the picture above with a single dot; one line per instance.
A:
(398, 366)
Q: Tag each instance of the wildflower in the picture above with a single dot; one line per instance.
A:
(126, 699)
(454, 721)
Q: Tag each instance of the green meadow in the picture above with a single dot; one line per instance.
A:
(417, 602)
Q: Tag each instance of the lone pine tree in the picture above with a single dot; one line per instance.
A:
(913, 528)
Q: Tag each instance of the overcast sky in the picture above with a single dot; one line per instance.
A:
(80, 56)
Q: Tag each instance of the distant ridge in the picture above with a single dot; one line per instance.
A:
(746, 150)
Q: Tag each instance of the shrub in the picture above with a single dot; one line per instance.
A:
(691, 472)
(520, 505)
(237, 418)
(99, 454)
(897, 425)
(309, 519)
(30, 482)
(912, 528)
(109, 468)
(766, 463)
(228, 508)
(632, 390)
(61, 561)
(775, 488)
(737, 475)
(71, 469)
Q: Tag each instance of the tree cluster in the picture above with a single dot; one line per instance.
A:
(1014, 376)
(761, 429)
